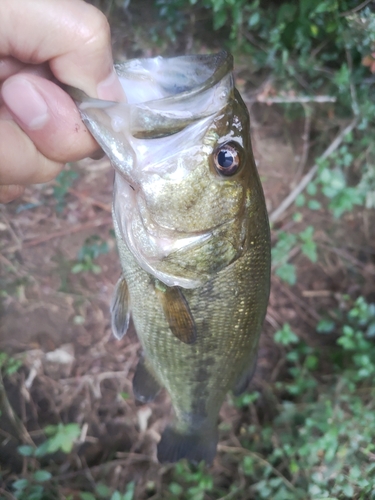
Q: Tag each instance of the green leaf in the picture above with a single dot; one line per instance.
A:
(300, 200)
(77, 268)
(325, 326)
(254, 19)
(129, 495)
(86, 496)
(311, 189)
(314, 205)
(309, 249)
(314, 30)
(20, 484)
(176, 489)
(287, 272)
(248, 466)
(116, 496)
(370, 332)
(26, 450)
(62, 439)
(220, 18)
(285, 336)
(42, 475)
(102, 490)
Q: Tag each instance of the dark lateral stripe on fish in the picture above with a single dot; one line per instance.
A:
(177, 313)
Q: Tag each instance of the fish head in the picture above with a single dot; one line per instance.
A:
(183, 159)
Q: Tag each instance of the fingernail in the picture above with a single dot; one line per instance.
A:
(110, 89)
(25, 102)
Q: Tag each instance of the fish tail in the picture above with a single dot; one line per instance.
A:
(195, 446)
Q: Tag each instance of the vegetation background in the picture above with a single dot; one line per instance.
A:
(306, 428)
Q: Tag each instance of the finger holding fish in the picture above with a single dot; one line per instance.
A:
(40, 128)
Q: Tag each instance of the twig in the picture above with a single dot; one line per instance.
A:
(317, 293)
(349, 258)
(296, 98)
(12, 231)
(95, 203)
(21, 431)
(64, 232)
(244, 451)
(356, 9)
(11, 267)
(276, 214)
(353, 91)
(7, 494)
(250, 38)
(106, 465)
(306, 142)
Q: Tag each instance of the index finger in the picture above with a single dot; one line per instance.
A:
(73, 36)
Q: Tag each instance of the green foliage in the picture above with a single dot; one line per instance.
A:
(310, 47)
(33, 487)
(246, 399)
(103, 491)
(324, 433)
(60, 438)
(93, 247)
(38, 483)
(62, 183)
(190, 482)
(285, 336)
(283, 248)
(9, 365)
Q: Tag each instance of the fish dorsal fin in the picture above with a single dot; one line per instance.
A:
(120, 309)
(177, 312)
(145, 384)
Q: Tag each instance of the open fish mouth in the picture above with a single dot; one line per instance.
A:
(164, 97)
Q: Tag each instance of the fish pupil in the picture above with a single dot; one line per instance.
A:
(225, 159)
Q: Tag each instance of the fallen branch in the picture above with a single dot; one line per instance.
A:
(244, 451)
(306, 142)
(64, 232)
(296, 98)
(356, 9)
(92, 201)
(17, 424)
(276, 214)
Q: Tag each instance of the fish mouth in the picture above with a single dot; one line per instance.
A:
(204, 86)
(174, 257)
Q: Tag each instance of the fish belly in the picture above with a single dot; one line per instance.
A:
(228, 312)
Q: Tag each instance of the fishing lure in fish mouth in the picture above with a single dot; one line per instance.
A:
(193, 237)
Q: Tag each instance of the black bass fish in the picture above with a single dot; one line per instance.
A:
(193, 236)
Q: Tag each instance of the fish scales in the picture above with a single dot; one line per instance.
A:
(193, 237)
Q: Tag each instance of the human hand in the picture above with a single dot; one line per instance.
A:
(42, 41)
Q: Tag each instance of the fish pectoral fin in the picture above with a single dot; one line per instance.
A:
(120, 309)
(195, 446)
(177, 313)
(245, 378)
(145, 384)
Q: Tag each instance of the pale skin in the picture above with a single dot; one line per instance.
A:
(42, 43)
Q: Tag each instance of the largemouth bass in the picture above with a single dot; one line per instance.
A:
(193, 237)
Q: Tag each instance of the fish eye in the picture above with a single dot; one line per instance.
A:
(227, 159)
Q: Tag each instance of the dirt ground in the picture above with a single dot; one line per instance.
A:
(58, 322)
